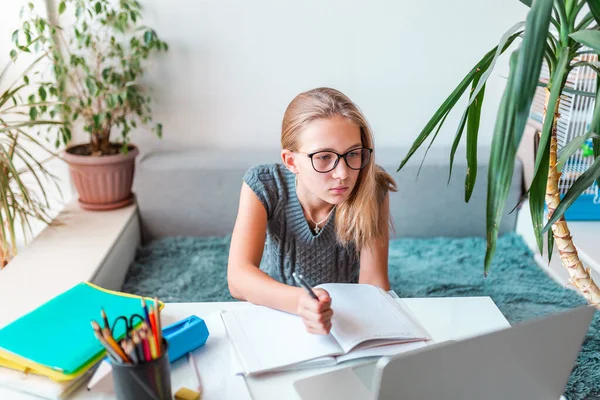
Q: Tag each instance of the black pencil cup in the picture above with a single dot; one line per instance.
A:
(146, 381)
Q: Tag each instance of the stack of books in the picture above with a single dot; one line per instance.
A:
(51, 350)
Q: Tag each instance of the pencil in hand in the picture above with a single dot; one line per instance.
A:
(302, 282)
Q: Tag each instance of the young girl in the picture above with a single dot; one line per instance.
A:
(324, 212)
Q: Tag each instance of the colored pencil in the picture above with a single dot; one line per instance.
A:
(104, 318)
(145, 346)
(152, 344)
(137, 343)
(111, 352)
(111, 341)
(158, 326)
(153, 327)
(130, 350)
(145, 307)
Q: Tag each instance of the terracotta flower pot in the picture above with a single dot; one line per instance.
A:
(103, 182)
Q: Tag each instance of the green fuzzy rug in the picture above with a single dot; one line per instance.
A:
(184, 269)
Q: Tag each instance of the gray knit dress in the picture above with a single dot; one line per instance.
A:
(290, 245)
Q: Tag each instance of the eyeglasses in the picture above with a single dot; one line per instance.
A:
(325, 161)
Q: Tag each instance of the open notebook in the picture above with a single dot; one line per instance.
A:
(367, 321)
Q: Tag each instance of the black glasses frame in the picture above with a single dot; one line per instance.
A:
(311, 155)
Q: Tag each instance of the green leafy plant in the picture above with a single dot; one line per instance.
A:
(24, 179)
(557, 32)
(99, 58)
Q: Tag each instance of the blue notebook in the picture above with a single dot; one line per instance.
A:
(56, 339)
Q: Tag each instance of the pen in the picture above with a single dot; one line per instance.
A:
(300, 280)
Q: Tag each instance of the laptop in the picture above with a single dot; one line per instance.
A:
(531, 360)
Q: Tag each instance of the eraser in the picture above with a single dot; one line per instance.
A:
(186, 394)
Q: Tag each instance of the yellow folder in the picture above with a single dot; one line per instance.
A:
(56, 339)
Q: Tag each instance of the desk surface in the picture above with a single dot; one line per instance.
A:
(443, 318)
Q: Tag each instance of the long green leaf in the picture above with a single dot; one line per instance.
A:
(585, 22)
(550, 246)
(23, 154)
(596, 147)
(572, 91)
(584, 181)
(29, 123)
(594, 6)
(506, 37)
(4, 197)
(457, 137)
(513, 116)
(537, 192)
(6, 96)
(560, 8)
(589, 38)
(572, 147)
(452, 99)
(431, 143)
(3, 221)
(526, 2)
(479, 81)
(596, 120)
(472, 135)
(574, 14)
(530, 62)
(592, 65)
(11, 169)
(501, 143)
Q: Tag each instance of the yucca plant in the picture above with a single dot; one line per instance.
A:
(24, 178)
(557, 32)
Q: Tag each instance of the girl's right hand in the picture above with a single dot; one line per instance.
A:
(316, 315)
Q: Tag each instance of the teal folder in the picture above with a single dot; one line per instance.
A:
(57, 340)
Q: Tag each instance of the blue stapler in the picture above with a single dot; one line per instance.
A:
(185, 336)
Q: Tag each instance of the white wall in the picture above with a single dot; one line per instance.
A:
(234, 65)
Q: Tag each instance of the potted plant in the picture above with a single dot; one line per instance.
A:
(24, 178)
(99, 58)
(555, 32)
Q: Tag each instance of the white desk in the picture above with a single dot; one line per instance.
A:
(443, 318)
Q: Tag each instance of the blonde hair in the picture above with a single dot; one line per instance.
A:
(359, 218)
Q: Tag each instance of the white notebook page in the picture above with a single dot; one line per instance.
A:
(267, 339)
(389, 350)
(365, 312)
